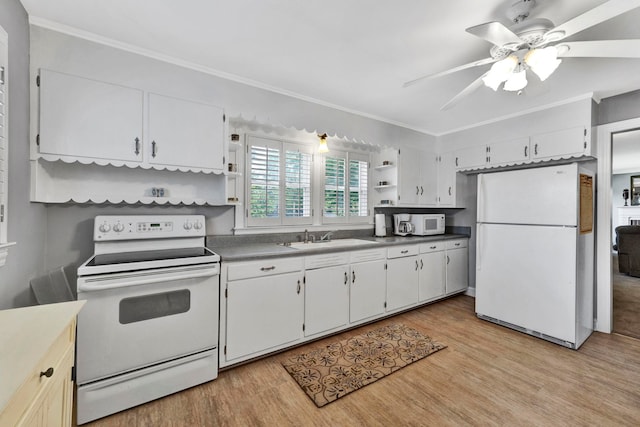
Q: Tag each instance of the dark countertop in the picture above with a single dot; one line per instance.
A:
(256, 251)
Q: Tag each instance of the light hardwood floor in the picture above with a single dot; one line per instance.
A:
(488, 375)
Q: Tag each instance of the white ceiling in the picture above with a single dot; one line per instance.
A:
(353, 54)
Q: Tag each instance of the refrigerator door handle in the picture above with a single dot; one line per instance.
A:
(479, 250)
(480, 213)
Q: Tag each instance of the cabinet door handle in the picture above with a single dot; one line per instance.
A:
(405, 251)
(417, 190)
(137, 140)
(432, 247)
(421, 264)
(298, 289)
(154, 150)
(48, 373)
(456, 244)
(457, 161)
(448, 259)
(417, 265)
(273, 267)
(449, 190)
(535, 149)
(353, 277)
(421, 190)
(346, 278)
(525, 150)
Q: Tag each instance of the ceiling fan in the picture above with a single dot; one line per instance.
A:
(536, 45)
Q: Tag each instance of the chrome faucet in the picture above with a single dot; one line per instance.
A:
(327, 235)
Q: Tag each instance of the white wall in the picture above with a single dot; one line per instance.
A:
(50, 236)
(26, 222)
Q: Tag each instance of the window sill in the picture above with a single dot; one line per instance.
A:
(4, 252)
(300, 228)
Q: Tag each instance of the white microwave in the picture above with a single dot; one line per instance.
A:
(427, 224)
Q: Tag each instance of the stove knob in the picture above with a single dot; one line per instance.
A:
(105, 228)
(197, 225)
(188, 225)
(118, 227)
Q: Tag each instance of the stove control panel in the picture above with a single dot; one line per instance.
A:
(136, 227)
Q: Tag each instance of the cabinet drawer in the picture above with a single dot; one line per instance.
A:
(325, 260)
(267, 267)
(431, 247)
(37, 384)
(456, 244)
(402, 251)
(368, 255)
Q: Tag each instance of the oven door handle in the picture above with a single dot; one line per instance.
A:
(146, 280)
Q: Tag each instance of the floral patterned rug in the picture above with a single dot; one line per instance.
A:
(331, 372)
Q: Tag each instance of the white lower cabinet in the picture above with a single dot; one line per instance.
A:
(402, 277)
(326, 297)
(457, 259)
(368, 285)
(275, 303)
(263, 313)
(432, 271)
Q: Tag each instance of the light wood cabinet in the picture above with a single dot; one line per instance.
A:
(36, 361)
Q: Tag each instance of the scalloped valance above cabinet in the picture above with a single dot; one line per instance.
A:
(88, 129)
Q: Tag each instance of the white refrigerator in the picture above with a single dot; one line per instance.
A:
(535, 251)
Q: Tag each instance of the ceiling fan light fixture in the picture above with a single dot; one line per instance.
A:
(543, 62)
(517, 81)
(500, 72)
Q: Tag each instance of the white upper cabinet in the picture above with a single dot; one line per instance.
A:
(561, 144)
(185, 133)
(509, 152)
(471, 157)
(446, 180)
(105, 123)
(564, 143)
(87, 118)
(409, 177)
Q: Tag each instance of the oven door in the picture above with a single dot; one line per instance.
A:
(137, 319)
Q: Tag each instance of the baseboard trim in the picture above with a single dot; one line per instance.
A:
(471, 292)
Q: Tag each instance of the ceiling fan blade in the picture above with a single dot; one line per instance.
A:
(451, 70)
(466, 91)
(600, 49)
(495, 33)
(598, 14)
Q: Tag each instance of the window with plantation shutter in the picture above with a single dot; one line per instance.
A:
(279, 187)
(297, 184)
(335, 169)
(358, 188)
(264, 157)
(346, 196)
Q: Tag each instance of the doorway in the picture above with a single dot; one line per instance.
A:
(625, 203)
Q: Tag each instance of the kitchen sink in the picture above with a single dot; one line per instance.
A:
(338, 243)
